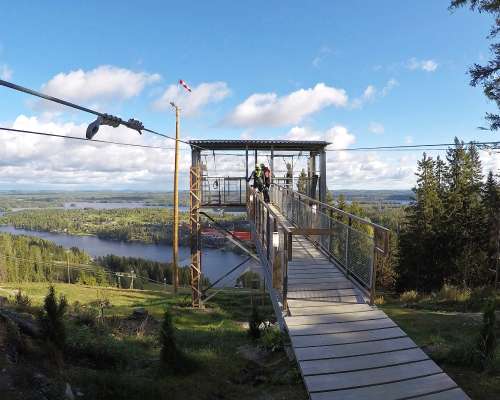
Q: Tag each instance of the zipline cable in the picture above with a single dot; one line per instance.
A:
(35, 93)
(85, 140)
(128, 124)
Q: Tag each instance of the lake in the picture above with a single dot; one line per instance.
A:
(215, 262)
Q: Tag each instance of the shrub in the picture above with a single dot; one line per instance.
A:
(487, 341)
(454, 293)
(101, 351)
(84, 315)
(480, 296)
(52, 319)
(272, 339)
(254, 322)
(410, 296)
(22, 301)
(379, 300)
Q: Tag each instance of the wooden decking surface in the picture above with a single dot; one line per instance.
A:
(347, 349)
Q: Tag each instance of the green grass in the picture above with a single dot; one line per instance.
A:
(438, 332)
(117, 362)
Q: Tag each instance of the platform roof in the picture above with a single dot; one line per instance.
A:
(276, 145)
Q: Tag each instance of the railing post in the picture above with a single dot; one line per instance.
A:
(330, 236)
(287, 258)
(348, 237)
(373, 282)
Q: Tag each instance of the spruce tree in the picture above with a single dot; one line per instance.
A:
(463, 221)
(491, 207)
(420, 260)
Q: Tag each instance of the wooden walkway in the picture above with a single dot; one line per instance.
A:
(347, 349)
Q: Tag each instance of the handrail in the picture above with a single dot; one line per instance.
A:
(337, 210)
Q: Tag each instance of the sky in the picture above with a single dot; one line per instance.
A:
(353, 73)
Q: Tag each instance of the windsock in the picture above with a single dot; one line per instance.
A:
(185, 85)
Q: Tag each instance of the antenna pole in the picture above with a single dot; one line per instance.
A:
(175, 238)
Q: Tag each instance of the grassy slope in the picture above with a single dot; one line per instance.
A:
(437, 332)
(211, 337)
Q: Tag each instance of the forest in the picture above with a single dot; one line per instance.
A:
(30, 259)
(448, 234)
(451, 231)
(146, 225)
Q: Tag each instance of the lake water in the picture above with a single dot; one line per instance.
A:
(215, 262)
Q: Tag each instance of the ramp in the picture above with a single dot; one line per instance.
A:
(347, 349)
(345, 346)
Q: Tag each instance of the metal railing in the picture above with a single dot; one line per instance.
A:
(272, 236)
(223, 191)
(354, 243)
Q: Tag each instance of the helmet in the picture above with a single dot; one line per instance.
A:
(257, 166)
(262, 165)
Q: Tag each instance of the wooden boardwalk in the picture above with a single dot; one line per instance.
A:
(347, 349)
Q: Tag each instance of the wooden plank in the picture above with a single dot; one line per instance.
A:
(315, 279)
(355, 349)
(307, 261)
(310, 303)
(336, 365)
(345, 380)
(309, 294)
(313, 268)
(357, 326)
(451, 394)
(391, 391)
(314, 274)
(309, 266)
(337, 318)
(342, 284)
(344, 338)
(328, 309)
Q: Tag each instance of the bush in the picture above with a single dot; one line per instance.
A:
(454, 293)
(52, 319)
(410, 296)
(479, 352)
(84, 315)
(272, 339)
(487, 341)
(22, 301)
(98, 350)
(254, 322)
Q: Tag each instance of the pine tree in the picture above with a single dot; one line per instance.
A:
(302, 182)
(491, 206)
(463, 222)
(420, 260)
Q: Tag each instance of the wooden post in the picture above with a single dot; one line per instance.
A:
(175, 236)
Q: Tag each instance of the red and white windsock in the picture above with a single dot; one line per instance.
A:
(185, 85)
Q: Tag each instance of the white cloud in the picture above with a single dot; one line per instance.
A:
(105, 82)
(391, 84)
(367, 96)
(323, 52)
(371, 93)
(193, 102)
(352, 169)
(35, 160)
(303, 133)
(376, 127)
(338, 136)
(5, 72)
(267, 109)
(424, 65)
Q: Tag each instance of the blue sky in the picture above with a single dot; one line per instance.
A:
(358, 73)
